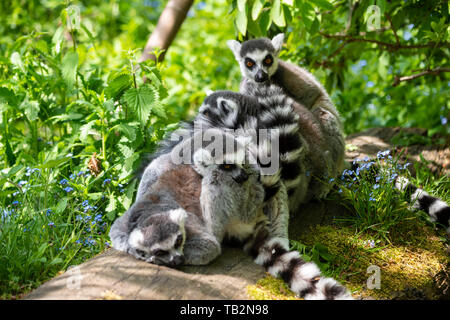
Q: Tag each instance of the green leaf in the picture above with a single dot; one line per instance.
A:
(128, 198)
(16, 60)
(265, 21)
(383, 64)
(125, 150)
(8, 96)
(128, 131)
(277, 14)
(62, 204)
(112, 203)
(324, 4)
(86, 130)
(69, 67)
(31, 109)
(118, 85)
(140, 101)
(57, 260)
(14, 170)
(308, 14)
(241, 22)
(256, 10)
(53, 163)
(241, 5)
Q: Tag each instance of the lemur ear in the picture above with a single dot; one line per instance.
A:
(178, 216)
(209, 92)
(235, 46)
(277, 41)
(202, 159)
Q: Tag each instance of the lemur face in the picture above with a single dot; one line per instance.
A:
(228, 169)
(160, 239)
(220, 109)
(258, 58)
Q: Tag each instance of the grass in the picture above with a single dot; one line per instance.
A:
(49, 223)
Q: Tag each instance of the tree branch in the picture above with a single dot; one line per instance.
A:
(388, 45)
(393, 29)
(436, 71)
(168, 25)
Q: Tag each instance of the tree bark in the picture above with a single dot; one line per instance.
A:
(168, 25)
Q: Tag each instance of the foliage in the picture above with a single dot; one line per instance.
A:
(365, 52)
(72, 135)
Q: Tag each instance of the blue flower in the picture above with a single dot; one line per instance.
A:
(80, 173)
(22, 183)
(106, 181)
(85, 203)
(383, 154)
(68, 189)
(376, 186)
(49, 211)
(51, 224)
(72, 176)
(63, 182)
(15, 203)
(371, 199)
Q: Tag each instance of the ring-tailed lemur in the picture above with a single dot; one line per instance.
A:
(304, 152)
(188, 211)
(260, 66)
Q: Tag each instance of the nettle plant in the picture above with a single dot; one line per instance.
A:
(71, 137)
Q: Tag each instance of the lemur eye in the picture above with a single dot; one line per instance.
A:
(268, 60)
(223, 104)
(140, 252)
(227, 167)
(160, 253)
(249, 63)
(179, 241)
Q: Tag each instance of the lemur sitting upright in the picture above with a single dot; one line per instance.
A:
(260, 67)
(188, 211)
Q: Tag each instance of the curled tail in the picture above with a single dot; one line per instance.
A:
(304, 278)
(437, 210)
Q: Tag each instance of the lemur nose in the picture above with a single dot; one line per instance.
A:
(261, 76)
(177, 260)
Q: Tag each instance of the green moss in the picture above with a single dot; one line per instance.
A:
(410, 264)
(270, 288)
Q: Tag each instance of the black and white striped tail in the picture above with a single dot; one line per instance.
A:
(304, 278)
(438, 210)
(276, 112)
